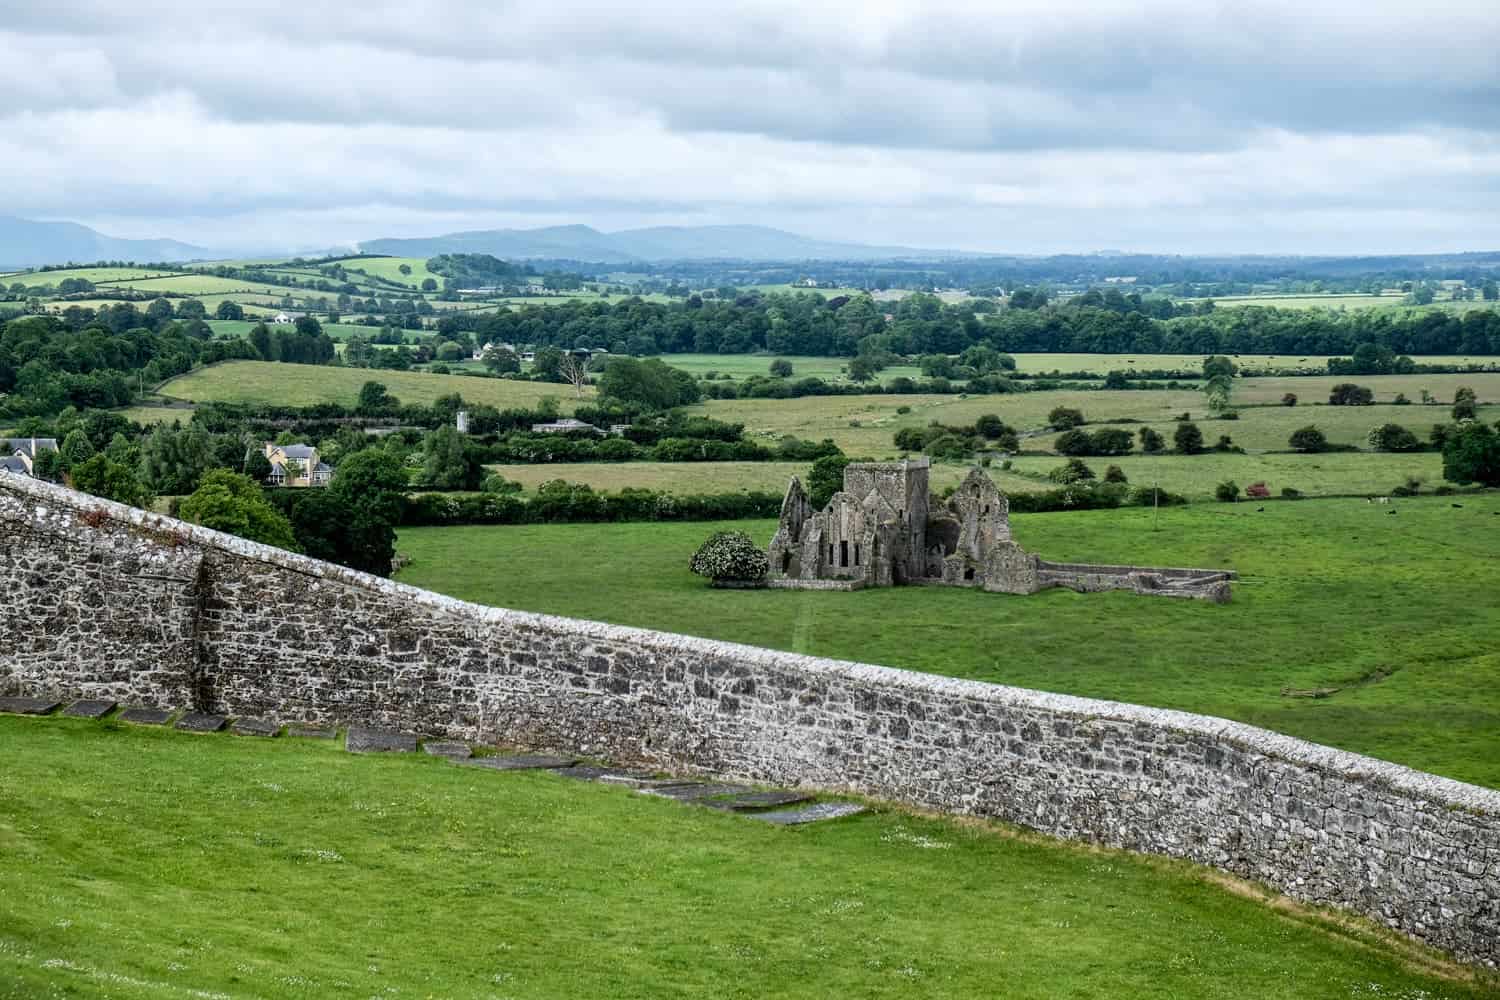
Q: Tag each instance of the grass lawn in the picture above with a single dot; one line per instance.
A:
(149, 863)
(1392, 609)
(303, 385)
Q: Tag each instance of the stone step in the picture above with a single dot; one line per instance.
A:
(201, 722)
(815, 813)
(147, 716)
(367, 739)
(255, 727)
(450, 750)
(29, 706)
(90, 708)
(520, 762)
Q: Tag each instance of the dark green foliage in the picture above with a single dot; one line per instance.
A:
(106, 478)
(1075, 470)
(229, 502)
(374, 400)
(1187, 439)
(1371, 359)
(651, 383)
(450, 461)
(1349, 394)
(781, 368)
(990, 425)
(76, 449)
(1115, 474)
(173, 459)
(1289, 399)
(1308, 440)
(353, 521)
(1290, 493)
(1152, 443)
(1393, 437)
(1227, 491)
(825, 479)
(1465, 404)
(1471, 454)
(730, 555)
(257, 465)
(1063, 418)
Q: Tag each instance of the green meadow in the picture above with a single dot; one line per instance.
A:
(145, 863)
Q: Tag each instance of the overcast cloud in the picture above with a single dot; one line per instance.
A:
(1332, 126)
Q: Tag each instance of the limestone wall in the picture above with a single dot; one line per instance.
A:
(237, 627)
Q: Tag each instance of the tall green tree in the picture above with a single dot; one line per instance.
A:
(108, 479)
(450, 461)
(230, 502)
(1471, 454)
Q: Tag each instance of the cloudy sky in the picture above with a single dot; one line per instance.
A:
(1039, 126)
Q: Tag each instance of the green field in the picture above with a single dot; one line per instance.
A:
(1392, 609)
(156, 864)
(304, 385)
(389, 268)
(741, 366)
(1105, 363)
(1339, 301)
(337, 331)
(98, 275)
(716, 477)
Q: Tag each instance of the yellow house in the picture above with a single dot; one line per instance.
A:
(296, 465)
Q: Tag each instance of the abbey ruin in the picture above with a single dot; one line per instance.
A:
(883, 529)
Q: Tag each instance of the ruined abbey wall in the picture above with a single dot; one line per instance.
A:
(105, 601)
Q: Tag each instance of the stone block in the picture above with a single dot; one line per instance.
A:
(520, 762)
(312, 732)
(601, 773)
(90, 708)
(749, 801)
(255, 727)
(815, 813)
(147, 716)
(29, 706)
(694, 791)
(364, 739)
(453, 751)
(201, 722)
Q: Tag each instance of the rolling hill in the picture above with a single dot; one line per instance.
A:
(29, 243)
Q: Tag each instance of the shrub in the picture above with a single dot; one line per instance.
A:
(949, 446)
(903, 409)
(1151, 496)
(1308, 440)
(499, 486)
(1228, 491)
(1257, 491)
(1152, 443)
(1074, 442)
(990, 425)
(1188, 439)
(1289, 493)
(1107, 441)
(781, 368)
(1470, 455)
(1393, 437)
(1401, 400)
(1465, 403)
(1115, 474)
(1349, 394)
(1226, 444)
(1075, 470)
(730, 555)
(1290, 399)
(1064, 418)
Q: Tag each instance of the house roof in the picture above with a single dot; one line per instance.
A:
(298, 451)
(323, 467)
(12, 464)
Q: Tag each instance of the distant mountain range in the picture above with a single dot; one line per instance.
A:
(26, 243)
(654, 244)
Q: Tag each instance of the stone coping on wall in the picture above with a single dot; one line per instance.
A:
(1444, 792)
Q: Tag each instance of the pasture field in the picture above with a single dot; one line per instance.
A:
(1105, 363)
(741, 366)
(149, 415)
(155, 864)
(718, 477)
(1339, 302)
(304, 385)
(336, 331)
(209, 284)
(98, 275)
(389, 268)
(1389, 609)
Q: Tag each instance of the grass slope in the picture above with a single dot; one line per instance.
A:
(148, 863)
(303, 385)
(1392, 609)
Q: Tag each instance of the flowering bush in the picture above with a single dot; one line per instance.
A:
(730, 555)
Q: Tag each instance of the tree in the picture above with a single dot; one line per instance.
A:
(48, 465)
(260, 339)
(374, 399)
(1188, 439)
(451, 350)
(1074, 470)
(1465, 404)
(1349, 394)
(257, 465)
(574, 371)
(173, 460)
(862, 368)
(229, 502)
(730, 556)
(825, 479)
(781, 368)
(1152, 443)
(547, 364)
(1489, 291)
(1472, 455)
(1228, 491)
(499, 360)
(229, 310)
(1218, 382)
(990, 425)
(191, 309)
(1308, 440)
(1064, 418)
(404, 268)
(108, 479)
(450, 461)
(429, 284)
(651, 383)
(76, 449)
(1289, 399)
(1393, 437)
(353, 521)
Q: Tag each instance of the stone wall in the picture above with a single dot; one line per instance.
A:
(105, 600)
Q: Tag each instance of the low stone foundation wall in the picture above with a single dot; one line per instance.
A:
(102, 600)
